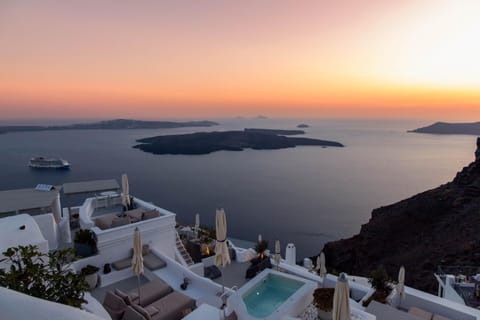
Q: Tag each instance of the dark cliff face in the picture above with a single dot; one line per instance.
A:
(439, 226)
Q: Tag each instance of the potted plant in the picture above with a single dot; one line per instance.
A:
(85, 243)
(379, 282)
(323, 301)
(90, 274)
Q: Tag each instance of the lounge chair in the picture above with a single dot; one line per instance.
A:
(150, 292)
(150, 260)
(439, 317)
(422, 314)
(117, 302)
(383, 311)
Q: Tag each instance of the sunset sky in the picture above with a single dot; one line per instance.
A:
(200, 59)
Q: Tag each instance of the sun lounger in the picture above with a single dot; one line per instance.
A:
(439, 317)
(422, 314)
(153, 262)
(383, 311)
(150, 292)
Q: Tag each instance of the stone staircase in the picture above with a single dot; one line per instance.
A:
(183, 252)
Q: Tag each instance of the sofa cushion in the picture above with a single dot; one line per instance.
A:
(153, 262)
(150, 214)
(135, 215)
(114, 305)
(122, 264)
(120, 221)
(132, 314)
(173, 305)
(104, 222)
(124, 296)
(151, 310)
(142, 311)
(151, 291)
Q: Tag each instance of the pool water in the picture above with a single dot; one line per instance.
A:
(272, 291)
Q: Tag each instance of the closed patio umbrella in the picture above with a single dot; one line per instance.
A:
(322, 270)
(137, 259)
(125, 191)
(197, 224)
(401, 282)
(278, 257)
(222, 257)
(341, 299)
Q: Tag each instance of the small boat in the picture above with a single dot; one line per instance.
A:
(48, 163)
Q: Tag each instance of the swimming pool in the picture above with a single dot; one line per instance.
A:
(272, 292)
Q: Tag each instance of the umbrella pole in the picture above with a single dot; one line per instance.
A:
(138, 286)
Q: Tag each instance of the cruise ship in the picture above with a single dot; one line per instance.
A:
(48, 163)
(188, 272)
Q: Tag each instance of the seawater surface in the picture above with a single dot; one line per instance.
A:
(303, 195)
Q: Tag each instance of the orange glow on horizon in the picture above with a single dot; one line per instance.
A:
(417, 58)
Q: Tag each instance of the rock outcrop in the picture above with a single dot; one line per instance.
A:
(437, 227)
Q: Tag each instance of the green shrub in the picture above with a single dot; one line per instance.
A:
(46, 276)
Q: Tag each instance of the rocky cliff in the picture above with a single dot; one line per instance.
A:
(439, 226)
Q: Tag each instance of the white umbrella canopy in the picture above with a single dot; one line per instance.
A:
(278, 249)
(222, 257)
(341, 299)
(321, 265)
(125, 191)
(401, 282)
(137, 259)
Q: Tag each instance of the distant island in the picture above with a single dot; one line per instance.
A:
(112, 125)
(472, 128)
(208, 142)
(303, 125)
(275, 131)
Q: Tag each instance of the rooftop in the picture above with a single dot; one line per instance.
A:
(25, 199)
(90, 186)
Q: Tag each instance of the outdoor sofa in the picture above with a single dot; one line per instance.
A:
(158, 301)
(131, 216)
(150, 260)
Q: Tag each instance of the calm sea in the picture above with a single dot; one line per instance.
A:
(304, 195)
